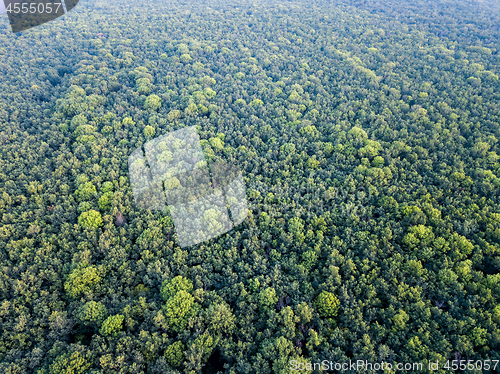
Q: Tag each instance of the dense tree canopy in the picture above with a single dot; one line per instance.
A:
(367, 134)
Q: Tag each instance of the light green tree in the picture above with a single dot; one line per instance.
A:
(85, 191)
(268, 298)
(92, 312)
(174, 114)
(217, 143)
(220, 318)
(152, 102)
(128, 121)
(149, 131)
(74, 363)
(400, 319)
(185, 57)
(377, 162)
(112, 325)
(327, 304)
(90, 219)
(296, 228)
(105, 201)
(171, 287)
(175, 354)
(304, 312)
(107, 187)
(82, 280)
(178, 309)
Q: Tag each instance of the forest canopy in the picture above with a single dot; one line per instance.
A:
(367, 134)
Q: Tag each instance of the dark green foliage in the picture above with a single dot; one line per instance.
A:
(367, 135)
